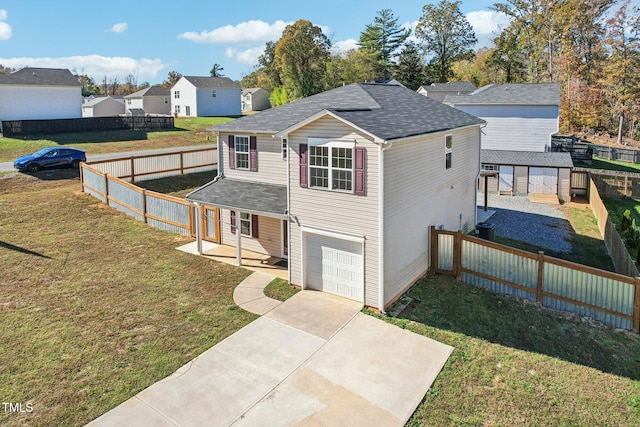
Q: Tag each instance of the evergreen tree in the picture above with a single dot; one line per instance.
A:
(410, 70)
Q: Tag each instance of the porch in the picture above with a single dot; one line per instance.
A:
(250, 260)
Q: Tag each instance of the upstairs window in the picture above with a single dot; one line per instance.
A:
(214, 93)
(242, 152)
(448, 144)
(166, 100)
(334, 165)
(176, 94)
(284, 148)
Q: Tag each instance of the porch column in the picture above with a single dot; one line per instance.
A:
(238, 240)
(198, 228)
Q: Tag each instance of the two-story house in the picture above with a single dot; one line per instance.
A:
(150, 100)
(194, 96)
(345, 184)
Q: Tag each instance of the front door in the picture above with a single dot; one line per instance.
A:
(210, 224)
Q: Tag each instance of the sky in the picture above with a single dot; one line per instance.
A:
(117, 38)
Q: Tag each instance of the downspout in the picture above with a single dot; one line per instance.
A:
(289, 258)
(381, 223)
(475, 215)
(220, 169)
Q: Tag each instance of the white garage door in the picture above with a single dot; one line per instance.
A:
(335, 266)
(543, 180)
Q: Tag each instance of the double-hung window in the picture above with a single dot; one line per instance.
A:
(214, 93)
(242, 152)
(448, 144)
(331, 166)
(245, 224)
(284, 148)
(176, 94)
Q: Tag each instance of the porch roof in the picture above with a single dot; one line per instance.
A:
(247, 196)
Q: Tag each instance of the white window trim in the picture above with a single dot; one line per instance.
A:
(448, 150)
(239, 221)
(176, 109)
(176, 94)
(330, 143)
(248, 152)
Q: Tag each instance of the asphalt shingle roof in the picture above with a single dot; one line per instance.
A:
(386, 111)
(510, 94)
(40, 77)
(527, 158)
(243, 195)
(213, 82)
(150, 91)
(450, 87)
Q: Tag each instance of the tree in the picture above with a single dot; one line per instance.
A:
(279, 96)
(410, 70)
(6, 70)
(447, 35)
(88, 85)
(380, 41)
(268, 63)
(477, 71)
(350, 67)
(300, 56)
(216, 71)
(172, 79)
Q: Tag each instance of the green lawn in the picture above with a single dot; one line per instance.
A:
(187, 132)
(614, 165)
(280, 289)
(96, 306)
(517, 364)
(616, 208)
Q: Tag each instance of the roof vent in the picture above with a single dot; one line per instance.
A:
(34, 73)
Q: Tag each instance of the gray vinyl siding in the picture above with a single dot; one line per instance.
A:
(517, 128)
(269, 239)
(419, 192)
(564, 184)
(272, 168)
(335, 211)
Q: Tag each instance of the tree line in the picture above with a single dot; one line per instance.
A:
(590, 47)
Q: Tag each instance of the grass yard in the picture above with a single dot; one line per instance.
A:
(187, 132)
(616, 208)
(178, 186)
(517, 364)
(614, 165)
(95, 306)
(280, 289)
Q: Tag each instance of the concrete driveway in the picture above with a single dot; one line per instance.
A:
(313, 360)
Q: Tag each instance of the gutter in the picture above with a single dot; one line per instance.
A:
(387, 145)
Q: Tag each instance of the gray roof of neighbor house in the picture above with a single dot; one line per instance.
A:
(40, 77)
(510, 94)
(450, 87)
(245, 195)
(386, 111)
(252, 90)
(150, 91)
(99, 99)
(213, 82)
(527, 158)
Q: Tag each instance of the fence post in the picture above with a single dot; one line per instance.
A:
(182, 163)
(636, 307)
(133, 172)
(106, 188)
(434, 248)
(81, 177)
(144, 205)
(626, 186)
(457, 253)
(540, 277)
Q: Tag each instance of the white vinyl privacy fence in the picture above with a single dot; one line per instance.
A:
(608, 297)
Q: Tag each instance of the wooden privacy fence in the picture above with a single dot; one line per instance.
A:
(85, 124)
(608, 297)
(159, 210)
(622, 261)
(153, 166)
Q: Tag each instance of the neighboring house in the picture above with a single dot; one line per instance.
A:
(520, 121)
(152, 100)
(205, 97)
(103, 106)
(524, 172)
(40, 94)
(439, 91)
(519, 116)
(255, 99)
(345, 184)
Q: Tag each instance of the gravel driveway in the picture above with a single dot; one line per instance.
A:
(535, 223)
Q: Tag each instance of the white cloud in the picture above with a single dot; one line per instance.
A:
(5, 29)
(486, 22)
(245, 57)
(119, 28)
(95, 66)
(344, 46)
(249, 32)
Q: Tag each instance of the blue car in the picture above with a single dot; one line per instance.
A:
(50, 157)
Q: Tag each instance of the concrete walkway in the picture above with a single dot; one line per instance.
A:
(313, 360)
(249, 294)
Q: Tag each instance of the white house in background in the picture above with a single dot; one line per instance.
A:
(345, 184)
(439, 91)
(152, 101)
(39, 94)
(255, 99)
(103, 106)
(194, 96)
(520, 121)
(519, 116)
